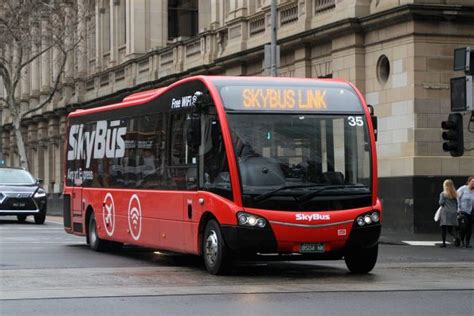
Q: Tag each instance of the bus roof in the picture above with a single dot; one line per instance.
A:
(142, 95)
(146, 96)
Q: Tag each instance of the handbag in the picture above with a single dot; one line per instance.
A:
(436, 216)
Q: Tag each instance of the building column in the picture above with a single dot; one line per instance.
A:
(31, 141)
(114, 8)
(45, 62)
(98, 37)
(35, 75)
(53, 139)
(41, 149)
(82, 46)
(136, 17)
(215, 10)
(60, 153)
(303, 62)
(158, 33)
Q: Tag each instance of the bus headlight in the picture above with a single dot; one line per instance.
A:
(375, 217)
(369, 218)
(246, 219)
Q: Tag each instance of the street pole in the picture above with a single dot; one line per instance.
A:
(273, 67)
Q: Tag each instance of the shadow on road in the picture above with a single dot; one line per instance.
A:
(252, 269)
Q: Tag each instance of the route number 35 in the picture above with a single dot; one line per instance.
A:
(355, 121)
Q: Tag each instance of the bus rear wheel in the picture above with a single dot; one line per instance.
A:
(361, 260)
(214, 249)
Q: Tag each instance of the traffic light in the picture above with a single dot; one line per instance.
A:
(453, 135)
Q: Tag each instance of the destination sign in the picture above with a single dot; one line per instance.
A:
(297, 99)
(284, 99)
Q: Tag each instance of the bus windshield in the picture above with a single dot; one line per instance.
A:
(304, 155)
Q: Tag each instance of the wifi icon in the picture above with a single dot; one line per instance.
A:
(135, 217)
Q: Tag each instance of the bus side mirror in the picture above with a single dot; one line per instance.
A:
(374, 120)
(193, 131)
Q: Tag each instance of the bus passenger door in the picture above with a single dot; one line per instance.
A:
(191, 206)
(78, 222)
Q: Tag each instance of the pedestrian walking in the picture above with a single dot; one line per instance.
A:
(448, 214)
(465, 207)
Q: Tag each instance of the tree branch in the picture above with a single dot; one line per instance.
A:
(5, 74)
(55, 88)
(27, 62)
(9, 29)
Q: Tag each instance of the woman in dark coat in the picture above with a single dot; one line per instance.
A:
(448, 214)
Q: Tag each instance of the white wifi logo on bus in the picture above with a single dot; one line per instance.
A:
(135, 217)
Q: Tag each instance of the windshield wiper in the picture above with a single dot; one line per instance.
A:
(310, 195)
(268, 194)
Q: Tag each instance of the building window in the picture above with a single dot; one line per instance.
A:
(383, 69)
(182, 18)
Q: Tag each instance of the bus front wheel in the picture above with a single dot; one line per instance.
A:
(95, 242)
(361, 260)
(214, 249)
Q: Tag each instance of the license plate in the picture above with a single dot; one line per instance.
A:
(312, 247)
(19, 204)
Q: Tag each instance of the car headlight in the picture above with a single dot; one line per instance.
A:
(246, 219)
(40, 193)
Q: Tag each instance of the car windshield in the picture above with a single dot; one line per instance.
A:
(15, 177)
(301, 154)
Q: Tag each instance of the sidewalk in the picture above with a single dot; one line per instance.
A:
(390, 237)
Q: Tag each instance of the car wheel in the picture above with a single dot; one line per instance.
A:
(361, 260)
(21, 218)
(40, 218)
(214, 249)
(94, 241)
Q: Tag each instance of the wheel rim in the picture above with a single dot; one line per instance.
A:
(211, 248)
(92, 233)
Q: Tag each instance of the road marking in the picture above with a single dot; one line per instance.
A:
(423, 243)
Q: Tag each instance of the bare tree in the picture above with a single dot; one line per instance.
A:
(29, 29)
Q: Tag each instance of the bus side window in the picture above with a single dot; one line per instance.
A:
(216, 176)
(183, 158)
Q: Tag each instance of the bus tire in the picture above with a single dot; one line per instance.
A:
(214, 249)
(40, 218)
(361, 260)
(21, 218)
(95, 242)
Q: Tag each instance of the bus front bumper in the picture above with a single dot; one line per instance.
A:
(249, 239)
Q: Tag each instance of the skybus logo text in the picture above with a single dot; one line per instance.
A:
(104, 141)
(311, 217)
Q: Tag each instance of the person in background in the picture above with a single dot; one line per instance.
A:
(448, 215)
(465, 206)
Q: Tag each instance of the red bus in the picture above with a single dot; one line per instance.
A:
(226, 168)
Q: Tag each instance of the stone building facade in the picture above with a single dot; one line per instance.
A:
(399, 53)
